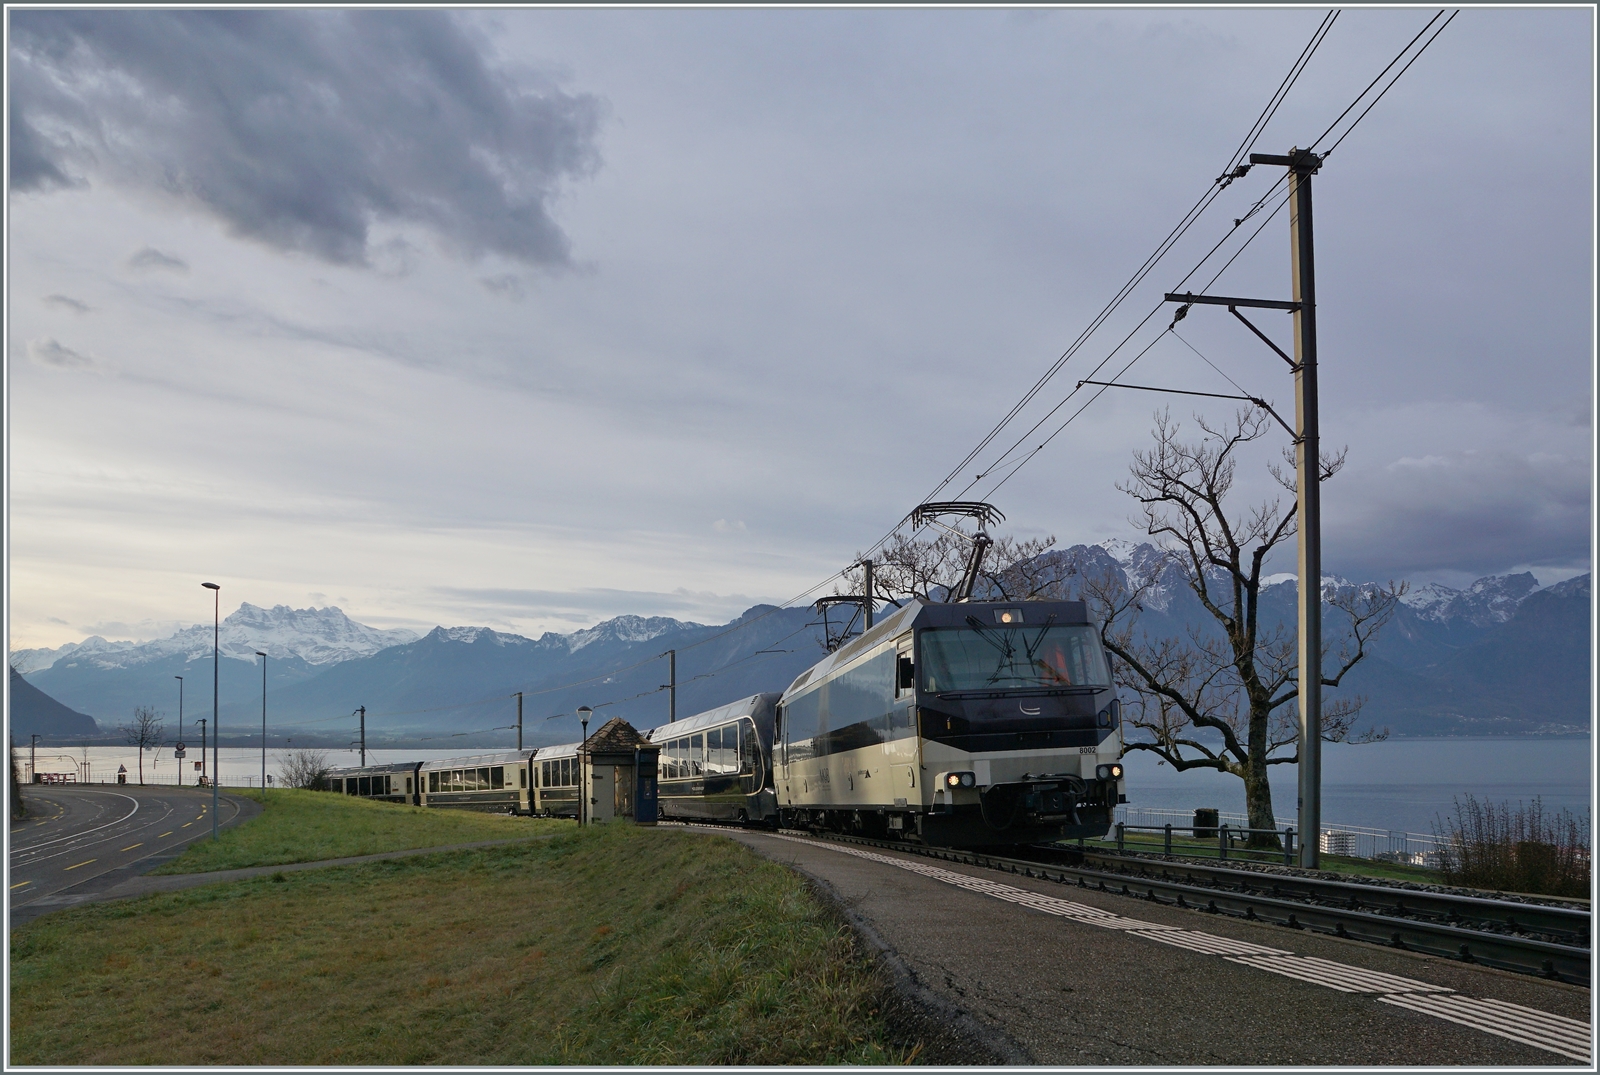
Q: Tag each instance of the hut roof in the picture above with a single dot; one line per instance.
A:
(617, 736)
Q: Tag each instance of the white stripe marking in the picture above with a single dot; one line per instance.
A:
(1572, 1039)
(1553, 1033)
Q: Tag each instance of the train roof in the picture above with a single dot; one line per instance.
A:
(560, 750)
(744, 707)
(467, 761)
(920, 613)
(364, 770)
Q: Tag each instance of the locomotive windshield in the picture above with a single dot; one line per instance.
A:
(984, 658)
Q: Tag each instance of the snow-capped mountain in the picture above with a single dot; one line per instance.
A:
(1488, 601)
(316, 636)
(626, 629)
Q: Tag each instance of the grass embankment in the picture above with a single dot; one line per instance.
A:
(607, 945)
(306, 826)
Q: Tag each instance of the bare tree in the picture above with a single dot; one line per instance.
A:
(1232, 677)
(18, 809)
(305, 768)
(930, 568)
(144, 732)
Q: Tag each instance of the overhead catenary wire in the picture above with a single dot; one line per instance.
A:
(1140, 274)
(1359, 98)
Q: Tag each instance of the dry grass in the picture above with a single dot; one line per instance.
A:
(611, 945)
(306, 826)
(1526, 849)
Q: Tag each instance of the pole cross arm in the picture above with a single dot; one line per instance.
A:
(1257, 400)
(1189, 297)
(1262, 336)
(1301, 160)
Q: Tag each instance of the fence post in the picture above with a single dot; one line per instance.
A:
(1222, 841)
(1168, 850)
(1288, 847)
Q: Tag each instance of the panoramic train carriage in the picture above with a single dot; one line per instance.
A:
(496, 783)
(395, 783)
(555, 781)
(957, 724)
(717, 764)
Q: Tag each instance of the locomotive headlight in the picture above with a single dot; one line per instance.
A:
(960, 780)
(1108, 772)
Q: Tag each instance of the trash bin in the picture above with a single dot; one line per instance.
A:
(1205, 823)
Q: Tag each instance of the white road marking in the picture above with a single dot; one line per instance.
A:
(1340, 976)
(1539, 1029)
(1553, 1033)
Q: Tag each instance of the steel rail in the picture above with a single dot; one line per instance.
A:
(1567, 963)
(1452, 908)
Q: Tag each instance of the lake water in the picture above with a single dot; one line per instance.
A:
(1401, 784)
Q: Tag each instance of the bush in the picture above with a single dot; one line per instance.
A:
(1490, 845)
(306, 769)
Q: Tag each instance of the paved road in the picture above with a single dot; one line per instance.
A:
(78, 839)
(1063, 975)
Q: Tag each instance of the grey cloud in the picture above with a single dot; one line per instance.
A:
(66, 302)
(1470, 511)
(300, 129)
(47, 352)
(507, 285)
(581, 605)
(151, 258)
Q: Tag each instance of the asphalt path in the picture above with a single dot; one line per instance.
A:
(79, 839)
(1063, 975)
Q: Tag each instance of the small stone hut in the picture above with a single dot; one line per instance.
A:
(619, 774)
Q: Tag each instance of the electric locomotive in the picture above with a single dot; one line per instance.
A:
(961, 724)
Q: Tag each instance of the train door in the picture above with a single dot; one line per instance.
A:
(905, 749)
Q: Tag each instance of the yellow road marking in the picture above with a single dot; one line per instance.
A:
(167, 833)
(19, 884)
(85, 862)
(130, 847)
(186, 824)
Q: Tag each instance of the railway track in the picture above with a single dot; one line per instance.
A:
(1547, 941)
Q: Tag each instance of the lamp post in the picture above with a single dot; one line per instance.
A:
(216, 723)
(263, 657)
(180, 727)
(584, 713)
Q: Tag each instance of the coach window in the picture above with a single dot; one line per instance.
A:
(747, 748)
(697, 748)
(408, 785)
(522, 776)
(497, 777)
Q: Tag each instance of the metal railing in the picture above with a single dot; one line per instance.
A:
(1352, 841)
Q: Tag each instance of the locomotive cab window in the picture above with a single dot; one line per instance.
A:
(989, 658)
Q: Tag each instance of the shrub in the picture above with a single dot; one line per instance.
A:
(1526, 849)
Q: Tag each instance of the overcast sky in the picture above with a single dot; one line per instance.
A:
(530, 318)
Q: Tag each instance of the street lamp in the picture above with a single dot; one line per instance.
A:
(584, 713)
(180, 729)
(216, 722)
(263, 657)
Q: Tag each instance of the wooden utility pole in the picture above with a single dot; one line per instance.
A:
(519, 720)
